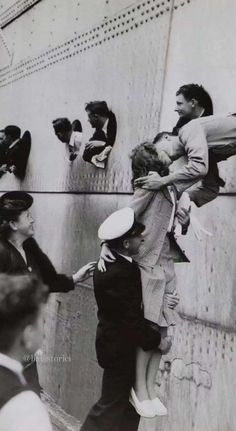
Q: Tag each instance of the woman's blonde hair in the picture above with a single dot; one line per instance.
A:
(144, 158)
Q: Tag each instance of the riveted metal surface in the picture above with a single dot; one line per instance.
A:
(5, 52)
(116, 25)
(197, 379)
(193, 380)
(131, 84)
(211, 274)
(66, 228)
(14, 10)
(201, 51)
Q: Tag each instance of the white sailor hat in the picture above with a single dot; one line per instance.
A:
(120, 224)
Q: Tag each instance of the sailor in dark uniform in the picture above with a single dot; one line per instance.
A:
(122, 326)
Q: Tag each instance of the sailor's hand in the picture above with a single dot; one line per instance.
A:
(165, 345)
(172, 299)
(183, 216)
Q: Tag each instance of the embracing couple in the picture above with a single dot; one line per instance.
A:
(136, 298)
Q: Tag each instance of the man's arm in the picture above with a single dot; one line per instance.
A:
(194, 144)
(21, 156)
(193, 139)
(209, 188)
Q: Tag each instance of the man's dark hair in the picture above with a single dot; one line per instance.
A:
(135, 230)
(116, 244)
(144, 158)
(98, 108)
(62, 125)
(76, 126)
(198, 92)
(13, 131)
(5, 219)
(21, 297)
(160, 136)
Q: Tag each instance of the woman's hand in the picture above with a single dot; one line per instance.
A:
(106, 255)
(153, 181)
(84, 273)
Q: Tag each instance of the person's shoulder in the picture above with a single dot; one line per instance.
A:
(114, 270)
(31, 245)
(27, 396)
(26, 138)
(31, 413)
(192, 127)
(31, 242)
(4, 245)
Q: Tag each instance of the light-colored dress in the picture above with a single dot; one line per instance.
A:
(156, 257)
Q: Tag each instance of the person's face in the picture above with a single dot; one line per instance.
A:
(62, 137)
(164, 147)
(2, 138)
(8, 139)
(25, 224)
(165, 142)
(133, 244)
(184, 108)
(94, 119)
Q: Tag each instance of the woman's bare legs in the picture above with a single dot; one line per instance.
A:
(141, 374)
(152, 369)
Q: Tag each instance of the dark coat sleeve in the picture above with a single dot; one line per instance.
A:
(56, 282)
(209, 187)
(18, 155)
(98, 135)
(111, 129)
(120, 299)
(180, 123)
(4, 259)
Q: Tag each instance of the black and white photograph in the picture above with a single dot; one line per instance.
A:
(117, 215)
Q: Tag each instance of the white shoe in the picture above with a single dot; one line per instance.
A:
(144, 408)
(160, 409)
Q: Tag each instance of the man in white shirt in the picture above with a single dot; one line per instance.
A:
(70, 134)
(22, 302)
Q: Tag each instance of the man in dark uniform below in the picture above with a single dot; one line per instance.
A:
(20, 254)
(122, 326)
